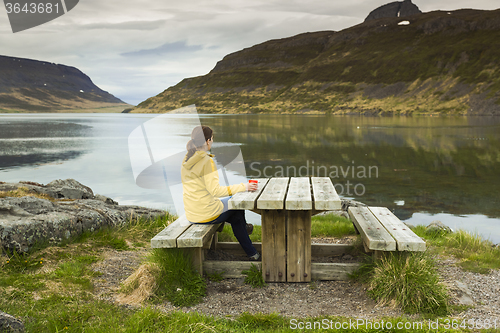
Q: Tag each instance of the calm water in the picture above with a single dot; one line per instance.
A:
(424, 169)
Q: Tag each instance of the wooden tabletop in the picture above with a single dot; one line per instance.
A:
(294, 193)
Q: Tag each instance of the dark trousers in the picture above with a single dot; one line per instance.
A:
(239, 224)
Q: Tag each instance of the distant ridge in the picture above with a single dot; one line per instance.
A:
(40, 86)
(437, 62)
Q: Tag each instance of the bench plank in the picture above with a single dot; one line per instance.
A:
(197, 235)
(332, 271)
(406, 239)
(325, 195)
(246, 200)
(274, 194)
(374, 234)
(298, 196)
(229, 269)
(168, 237)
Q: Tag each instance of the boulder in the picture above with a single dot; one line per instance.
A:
(9, 324)
(30, 220)
(69, 189)
(438, 226)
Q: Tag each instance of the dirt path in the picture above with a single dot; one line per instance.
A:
(299, 300)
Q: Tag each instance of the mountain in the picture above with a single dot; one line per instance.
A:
(37, 86)
(436, 62)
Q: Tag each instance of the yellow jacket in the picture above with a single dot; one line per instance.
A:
(200, 185)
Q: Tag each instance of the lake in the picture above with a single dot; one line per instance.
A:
(422, 168)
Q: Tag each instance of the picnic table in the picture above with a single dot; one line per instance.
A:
(286, 206)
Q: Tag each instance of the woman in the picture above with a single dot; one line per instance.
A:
(201, 190)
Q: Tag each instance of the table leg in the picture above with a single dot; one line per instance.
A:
(273, 245)
(299, 246)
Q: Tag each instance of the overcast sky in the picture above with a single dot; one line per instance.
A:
(137, 49)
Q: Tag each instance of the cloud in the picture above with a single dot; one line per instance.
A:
(129, 25)
(136, 49)
(168, 48)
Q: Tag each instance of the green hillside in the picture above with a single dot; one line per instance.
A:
(442, 62)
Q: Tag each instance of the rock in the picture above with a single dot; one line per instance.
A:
(70, 189)
(351, 203)
(105, 199)
(437, 226)
(9, 324)
(31, 220)
(464, 295)
(340, 213)
(394, 9)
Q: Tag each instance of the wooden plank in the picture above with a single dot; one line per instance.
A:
(374, 234)
(298, 196)
(246, 200)
(197, 255)
(332, 271)
(319, 271)
(317, 250)
(328, 250)
(325, 195)
(229, 269)
(406, 239)
(235, 247)
(273, 245)
(298, 256)
(274, 194)
(168, 237)
(197, 235)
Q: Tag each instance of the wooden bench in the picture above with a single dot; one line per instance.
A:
(382, 231)
(194, 238)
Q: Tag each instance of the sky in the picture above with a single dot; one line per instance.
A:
(137, 49)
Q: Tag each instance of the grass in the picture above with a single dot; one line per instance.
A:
(254, 277)
(475, 254)
(406, 280)
(176, 278)
(321, 226)
(25, 192)
(50, 289)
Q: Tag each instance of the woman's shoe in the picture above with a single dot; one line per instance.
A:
(255, 257)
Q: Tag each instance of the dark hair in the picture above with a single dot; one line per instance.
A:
(199, 137)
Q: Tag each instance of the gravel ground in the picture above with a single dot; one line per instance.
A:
(299, 300)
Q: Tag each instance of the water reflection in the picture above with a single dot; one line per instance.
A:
(431, 164)
(427, 168)
(39, 141)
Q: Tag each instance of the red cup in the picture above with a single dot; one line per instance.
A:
(253, 181)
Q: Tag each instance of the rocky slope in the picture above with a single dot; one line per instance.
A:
(436, 62)
(31, 85)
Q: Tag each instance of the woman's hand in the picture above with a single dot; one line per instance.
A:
(251, 187)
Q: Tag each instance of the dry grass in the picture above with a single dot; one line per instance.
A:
(24, 192)
(139, 286)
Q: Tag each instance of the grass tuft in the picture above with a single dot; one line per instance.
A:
(176, 278)
(140, 286)
(254, 277)
(408, 280)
